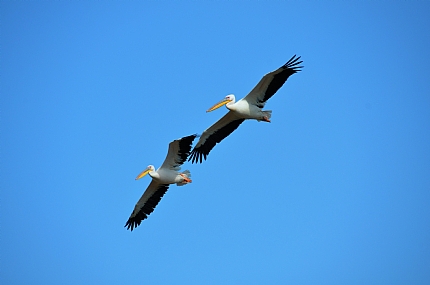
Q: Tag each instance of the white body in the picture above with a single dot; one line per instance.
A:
(169, 176)
(246, 110)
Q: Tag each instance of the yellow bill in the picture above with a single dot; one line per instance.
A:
(143, 173)
(219, 104)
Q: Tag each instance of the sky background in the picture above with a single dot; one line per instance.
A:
(336, 190)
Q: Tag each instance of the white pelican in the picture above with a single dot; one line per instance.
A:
(249, 107)
(168, 173)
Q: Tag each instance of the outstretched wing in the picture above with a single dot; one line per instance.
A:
(215, 134)
(271, 82)
(179, 150)
(146, 204)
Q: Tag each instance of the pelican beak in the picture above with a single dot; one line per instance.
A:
(143, 173)
(219, 104)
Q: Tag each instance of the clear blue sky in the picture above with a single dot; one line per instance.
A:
(336, 190)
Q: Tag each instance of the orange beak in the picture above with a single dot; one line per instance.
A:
(143, 173)
(217, 105)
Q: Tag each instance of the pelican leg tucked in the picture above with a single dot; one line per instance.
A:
(186, 179)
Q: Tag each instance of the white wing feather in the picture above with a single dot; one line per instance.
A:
(172, 158)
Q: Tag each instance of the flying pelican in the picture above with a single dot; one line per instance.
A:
(168, 173)
(249, 107)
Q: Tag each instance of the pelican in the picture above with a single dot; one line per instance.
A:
(249, 107)
(167, 174)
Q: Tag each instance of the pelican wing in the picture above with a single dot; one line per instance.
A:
(215, 134)
(271, 82)
(179, 150)
(146, 204)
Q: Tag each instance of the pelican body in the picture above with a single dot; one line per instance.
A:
(168, 173)
(243, 109)
(166, 176)
(248, 108)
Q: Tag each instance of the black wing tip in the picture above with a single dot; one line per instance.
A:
(293, 63)
(190, 137)
(196, 156)
(132, 223)
(135, 220)
(187, 141)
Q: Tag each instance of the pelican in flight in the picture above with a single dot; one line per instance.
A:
(167, 174)
(249, 107)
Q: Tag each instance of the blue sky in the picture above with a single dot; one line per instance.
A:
(336, 190)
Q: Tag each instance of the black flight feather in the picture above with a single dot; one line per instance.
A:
(279, 79)
(202, 151)
(147, 209)
(185, 145)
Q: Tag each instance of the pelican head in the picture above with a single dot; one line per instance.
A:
(149, 169)
(225, 101)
